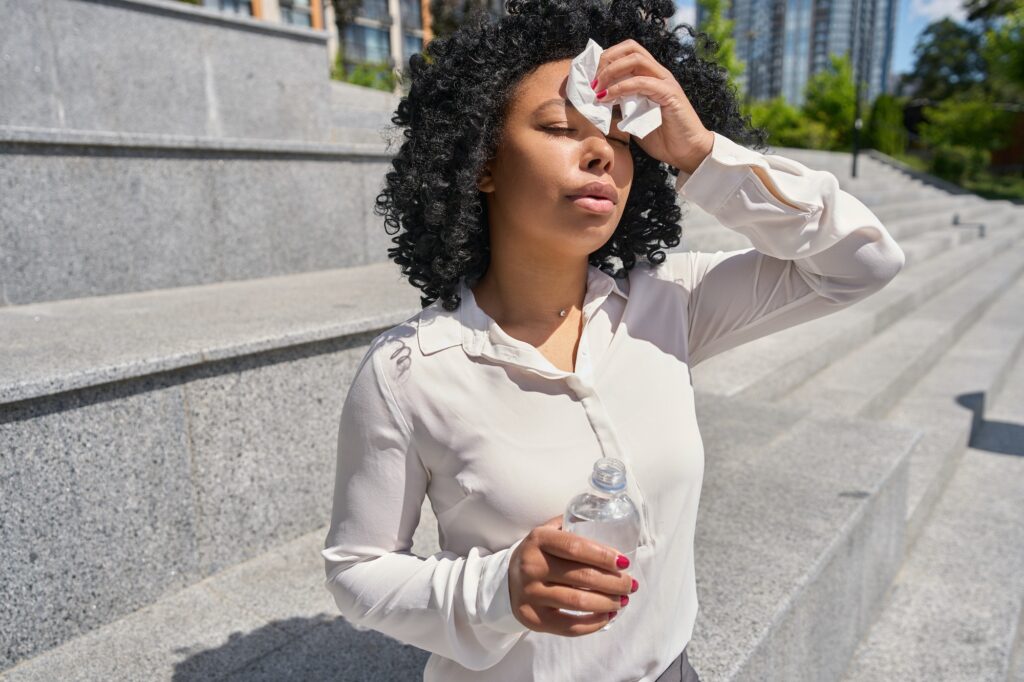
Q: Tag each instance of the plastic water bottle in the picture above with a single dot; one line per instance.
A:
(605, 514)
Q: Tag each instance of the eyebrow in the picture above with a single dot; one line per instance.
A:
(562, 102)
(557, 100)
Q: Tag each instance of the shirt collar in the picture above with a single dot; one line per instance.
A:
(478, 334)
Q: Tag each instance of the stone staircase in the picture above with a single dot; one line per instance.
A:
(922, 354)
(176, 358)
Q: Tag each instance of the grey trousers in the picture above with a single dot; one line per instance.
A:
(680, 670)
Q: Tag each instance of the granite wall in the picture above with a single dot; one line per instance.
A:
(160, 66)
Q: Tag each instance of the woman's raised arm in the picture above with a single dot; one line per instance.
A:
(455, 606)
(816, 248)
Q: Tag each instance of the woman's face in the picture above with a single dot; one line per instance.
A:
(547, 153)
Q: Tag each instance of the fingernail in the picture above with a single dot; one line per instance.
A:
(623, 600)
(636, 585)
(622, 561)
(593, 83)
(602, 93)
(611, 614)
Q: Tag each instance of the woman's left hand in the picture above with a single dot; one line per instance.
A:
(681, 140)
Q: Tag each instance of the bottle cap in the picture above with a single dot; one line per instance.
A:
(609, 475)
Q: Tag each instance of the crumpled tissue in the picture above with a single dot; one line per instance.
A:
(640, 115)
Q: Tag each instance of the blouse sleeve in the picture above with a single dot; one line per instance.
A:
(815, 252)
(456, 606)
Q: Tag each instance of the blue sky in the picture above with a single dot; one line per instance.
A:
(911, 18)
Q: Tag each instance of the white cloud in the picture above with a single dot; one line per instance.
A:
(933, 10)
(685, 14)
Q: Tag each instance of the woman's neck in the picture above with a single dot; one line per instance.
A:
(530, 295)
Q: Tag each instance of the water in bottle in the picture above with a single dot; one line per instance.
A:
(605, 513)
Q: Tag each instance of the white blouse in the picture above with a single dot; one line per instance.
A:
(447, 405)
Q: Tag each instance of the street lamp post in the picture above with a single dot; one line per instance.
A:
(856, 130)
(858, 74)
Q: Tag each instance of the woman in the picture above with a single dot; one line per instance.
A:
(533, 355)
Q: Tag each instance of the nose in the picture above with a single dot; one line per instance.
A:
(599, 152)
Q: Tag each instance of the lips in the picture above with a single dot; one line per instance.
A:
(599, 190)
(594, 204)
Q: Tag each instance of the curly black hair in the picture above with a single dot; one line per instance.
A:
(453, 115)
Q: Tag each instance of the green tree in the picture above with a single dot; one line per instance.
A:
(378, 75)
(947, 60)
(786, 125)
(345, 12)
(830, 99)
(446, 16)
(1003, 51)
(719, 29)
(885, 130)
(962, 131)
(989, 11)
(968, 120)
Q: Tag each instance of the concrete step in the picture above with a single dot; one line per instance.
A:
(795, 526)
(842, 162)
(954, 610)
(1017, 657)
(769, 367)
(359, 113)
(895, 201)
(898, 203)
(185, 394)
(899, 190)
(950, 401)
(904, 352)
(785, 568)
(269, 618)
(951, 396)
(92, 213)
(713, 237)
(1017, 664)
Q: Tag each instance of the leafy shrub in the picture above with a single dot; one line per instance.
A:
(885, 129)
(959, 163)
(787, 126)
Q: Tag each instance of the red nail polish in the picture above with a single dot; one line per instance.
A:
(622, 561)
(602, 93)
(593, 83)
(636, 585)
(623, 600)
(611, 614)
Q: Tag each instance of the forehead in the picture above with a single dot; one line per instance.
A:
(544, 91)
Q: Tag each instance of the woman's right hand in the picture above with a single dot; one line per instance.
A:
(546, 572)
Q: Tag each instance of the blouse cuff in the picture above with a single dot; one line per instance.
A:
(497, 612)
(728, 166)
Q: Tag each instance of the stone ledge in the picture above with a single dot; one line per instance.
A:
(67, 345)
(28, 136)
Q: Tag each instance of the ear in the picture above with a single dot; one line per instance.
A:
(485, 183)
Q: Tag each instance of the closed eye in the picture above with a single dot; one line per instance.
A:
(570, 130)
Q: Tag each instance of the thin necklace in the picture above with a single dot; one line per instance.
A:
(561, 313)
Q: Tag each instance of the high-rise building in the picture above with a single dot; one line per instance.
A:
(785, 42)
